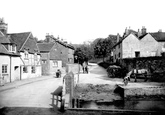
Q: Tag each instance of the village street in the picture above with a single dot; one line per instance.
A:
(37, 92)
(33, 94)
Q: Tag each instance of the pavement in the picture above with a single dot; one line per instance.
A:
(16, 84)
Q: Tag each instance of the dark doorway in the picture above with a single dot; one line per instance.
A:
(137, 54)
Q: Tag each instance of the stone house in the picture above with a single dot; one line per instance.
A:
(138, 44)
(126, 46)
(152, 44)
(66, 51)
(50, 58)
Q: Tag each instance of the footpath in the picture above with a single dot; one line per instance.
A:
(16, 84)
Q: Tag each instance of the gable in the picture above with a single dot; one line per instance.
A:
(55, 53)
(131, 38)
(3, 49)
(19, 39)
(148, 38)
(30, 44)
(45, 47)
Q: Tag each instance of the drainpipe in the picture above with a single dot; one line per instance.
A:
(10, 68)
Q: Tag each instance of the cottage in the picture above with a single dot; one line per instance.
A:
(66, 50)
(50, 58)
(152, 44)
(10, 59)
(30, 57)
(139, 44)
(126, 46)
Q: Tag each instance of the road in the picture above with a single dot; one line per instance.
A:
(97, 75)
(36, 94)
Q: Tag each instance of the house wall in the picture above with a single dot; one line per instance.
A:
(4, 78)
(148, 46)
(161, 46)
(70, 56)
(117, 52)
(63, 54)
(129, 46)
(29, 63)
(54, 65)
(15, 68)
(45, 63)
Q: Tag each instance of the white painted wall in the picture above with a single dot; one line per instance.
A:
(15, 72)
(148, 46)
(129, 46)
(5, 60)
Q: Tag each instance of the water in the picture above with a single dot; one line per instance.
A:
(125, 105)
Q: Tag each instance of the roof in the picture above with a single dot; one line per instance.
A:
(4, 40)
(4, 51)
(130, 31)
(113, 38)
(158, 36)
(45, 47)
(19, 38)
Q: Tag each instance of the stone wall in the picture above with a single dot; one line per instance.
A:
(156, 65)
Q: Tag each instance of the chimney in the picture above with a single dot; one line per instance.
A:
(48, 37)
(160, 30)
(118, 37)
(139, 33)
(126, 31)
(144, 30)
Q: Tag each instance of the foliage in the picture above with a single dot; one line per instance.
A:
(102, 47)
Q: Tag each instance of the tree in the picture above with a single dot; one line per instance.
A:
(102, 48)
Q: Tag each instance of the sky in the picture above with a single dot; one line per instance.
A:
(77, 21)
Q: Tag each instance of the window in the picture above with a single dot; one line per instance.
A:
(33, 69)
(26, 54)
(43, 61)
(25, 69)
(4, 68)
(119, 55)
(13, 48)
(55, 64)
(35, 56)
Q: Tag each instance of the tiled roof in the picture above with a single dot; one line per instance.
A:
(4, 51)
(45, 47)
(142, 36)
(113, 38)
(4, 40)
(158, 36)
(19, 38)
(1, 34)
(31, 45)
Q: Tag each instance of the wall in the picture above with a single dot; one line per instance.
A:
(70, 55)
(156, 65)
(117, 52)
(148, 46)
(129, 45)
(15, 68)
(63, 53)
(45, 63)
(54, 65)
(6, 61)
(29, 62)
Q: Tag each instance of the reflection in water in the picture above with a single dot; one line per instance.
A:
(127, 105)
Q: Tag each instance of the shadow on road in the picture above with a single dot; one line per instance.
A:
(27, 111)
